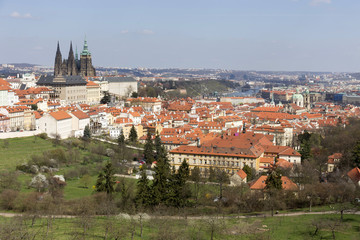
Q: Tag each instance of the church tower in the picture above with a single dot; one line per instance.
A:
(58, 62)
(86, 67)
(71, 64)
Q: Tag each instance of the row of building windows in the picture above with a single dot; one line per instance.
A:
(214, 162)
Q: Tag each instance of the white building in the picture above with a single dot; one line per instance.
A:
(56, 123)
(122, 86)
(79, 121)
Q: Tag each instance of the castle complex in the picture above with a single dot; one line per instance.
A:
(73, 66)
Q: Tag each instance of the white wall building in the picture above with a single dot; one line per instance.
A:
(56, 123)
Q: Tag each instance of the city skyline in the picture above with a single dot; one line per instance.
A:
(277, 35)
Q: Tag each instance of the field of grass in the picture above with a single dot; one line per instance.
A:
(19, 150)
(299, 227)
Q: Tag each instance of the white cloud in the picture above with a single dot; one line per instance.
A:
(18, 15)
(124, 31)
(318, 2)
(147, 32)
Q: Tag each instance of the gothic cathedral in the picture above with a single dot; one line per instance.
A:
(73, 66)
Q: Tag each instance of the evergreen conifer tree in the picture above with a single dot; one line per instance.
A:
(149, 149)
(160, 184)
(273, 181)
(143, 194)
(158, 145)
(87, 133)
(248, 172)
(106, 180)
(121, 139)
(133, 135)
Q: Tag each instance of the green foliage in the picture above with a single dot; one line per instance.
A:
(149, 149)
(34, 107)
(134, 94)
(273, 181)
(356, 155)
(178, 190)
(160, 184)
(143, 193)
(158, 146)
(87, 133)
(133, 135)
(195, 175)
(121, 139)
(248, 172)
(305, 146)
(212, 175)
(106, 98)
(106, 180)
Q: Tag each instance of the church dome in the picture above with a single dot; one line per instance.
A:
(298, 97)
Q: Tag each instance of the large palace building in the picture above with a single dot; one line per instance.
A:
(73, 66)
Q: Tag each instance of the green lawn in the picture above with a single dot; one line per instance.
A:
(19, 150)
(300, 227)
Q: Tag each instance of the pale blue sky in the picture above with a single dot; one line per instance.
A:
(314, 35)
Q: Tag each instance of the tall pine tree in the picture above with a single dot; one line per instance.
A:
(133, 134)
(143, 193)
(149, 149)
(179, 191)
(160, 184)
(106, 180)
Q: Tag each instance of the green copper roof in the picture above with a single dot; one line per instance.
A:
(85, 51)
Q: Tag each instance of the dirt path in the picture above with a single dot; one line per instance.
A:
(199, 217)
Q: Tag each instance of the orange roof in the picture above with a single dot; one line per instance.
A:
(80, 114)
(241, 174)
(92, 84)
(284, 164)
(266, 160)
(287, 184)
(60, 115)
(135, 114)
(354, 174)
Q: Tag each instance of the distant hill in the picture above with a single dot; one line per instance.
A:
(355, 75)
(23, 65)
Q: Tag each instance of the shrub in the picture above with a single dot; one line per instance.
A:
(43, 136)
(7, 199)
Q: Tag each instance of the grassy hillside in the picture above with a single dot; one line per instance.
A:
(15, 151)
(299, 227)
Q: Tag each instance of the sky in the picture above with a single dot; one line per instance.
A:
(272, 35)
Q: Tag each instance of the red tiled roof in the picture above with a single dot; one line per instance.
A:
(80, 114)
(241, 174)
(260, 184)
(60, 115)
(354, 174)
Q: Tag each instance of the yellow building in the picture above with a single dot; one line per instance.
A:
(93, 92)
(139, 130)
(205, 157)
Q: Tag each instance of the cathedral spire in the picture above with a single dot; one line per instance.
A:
(76, 54)
(58, 62)
(71, 66)
(58, 48)
(85, 50)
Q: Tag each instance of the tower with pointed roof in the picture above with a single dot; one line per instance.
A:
(74, 66)
(86, 67)
(58, 62)
(71, 64)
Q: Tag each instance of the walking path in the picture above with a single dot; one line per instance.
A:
(5, 135)
(199, 217)
(128, 146)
